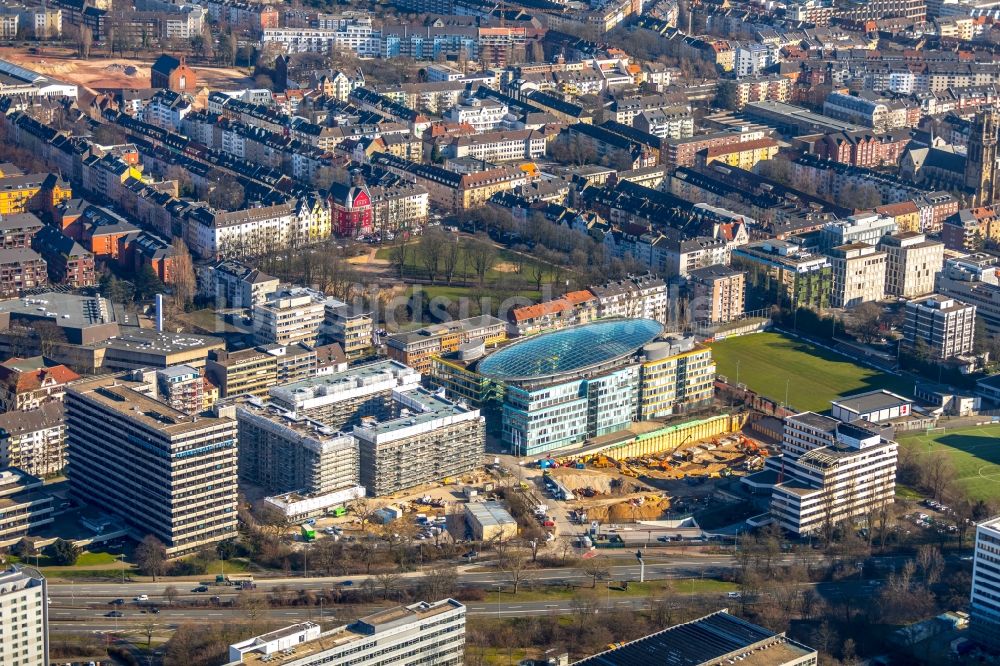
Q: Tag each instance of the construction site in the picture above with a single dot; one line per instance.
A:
(652, 487)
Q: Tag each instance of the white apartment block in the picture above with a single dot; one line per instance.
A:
(166, 473)
(984, 606)
(485, 115)
(666, 123)
(166, 109)
(500, 146)
(288, 317)
(430, 634)
(946, 326)
(865, 228)
(8, 26)
(829, 472)
(635, 297)
(912, 262)
(24, 618)
(753, 58)
(858, 274)
(236, 285)
(213, 234)
(356, 36)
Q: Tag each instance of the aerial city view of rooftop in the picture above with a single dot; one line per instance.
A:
(499, 333)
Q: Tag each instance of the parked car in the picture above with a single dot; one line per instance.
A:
(733, 595)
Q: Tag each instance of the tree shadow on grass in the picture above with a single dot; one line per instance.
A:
(985, 448)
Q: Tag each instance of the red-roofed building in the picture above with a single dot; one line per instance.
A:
(351, 208)
(576, 307)
(29, 383)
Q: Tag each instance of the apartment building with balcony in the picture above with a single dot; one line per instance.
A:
(287, 317)
(20, 269)
(716, 294)
(342, 399)
(350, 326)
(166, 473)
(427, 438)
(676, 375)
(24, 508)
(237, 285)
(181, 387)
(34, 441)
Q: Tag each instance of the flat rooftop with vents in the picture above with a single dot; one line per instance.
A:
(424, 633)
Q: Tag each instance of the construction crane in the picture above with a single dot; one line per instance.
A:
(675, 449)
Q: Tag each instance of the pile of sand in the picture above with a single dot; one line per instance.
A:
(578, 479)
(600, 482)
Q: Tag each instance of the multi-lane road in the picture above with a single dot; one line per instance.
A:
(84, 606)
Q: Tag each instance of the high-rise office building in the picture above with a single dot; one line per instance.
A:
(166, 473)
(985, 601)
(24, 618)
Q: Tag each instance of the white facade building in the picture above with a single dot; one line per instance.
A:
(288, 317)
(945, 325)
(485, 115)
(985, 600)
(829, 472)
(912, 262)
(24, 618)
(355, 35)
(432, 634)
(858, 274)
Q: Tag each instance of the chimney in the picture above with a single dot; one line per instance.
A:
(159, 313)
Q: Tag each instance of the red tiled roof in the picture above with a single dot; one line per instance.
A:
(32, 380)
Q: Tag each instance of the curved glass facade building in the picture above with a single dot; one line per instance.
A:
(570, 353)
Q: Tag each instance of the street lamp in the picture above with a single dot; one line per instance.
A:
(499, 587)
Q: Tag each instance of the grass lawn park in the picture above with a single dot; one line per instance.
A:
(814, 375)
(975, 453)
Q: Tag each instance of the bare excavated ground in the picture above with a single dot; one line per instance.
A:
(118, 72)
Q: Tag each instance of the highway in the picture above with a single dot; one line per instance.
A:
(83, 607)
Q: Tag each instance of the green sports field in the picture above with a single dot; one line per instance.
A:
(814, 375)
(975, 453)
